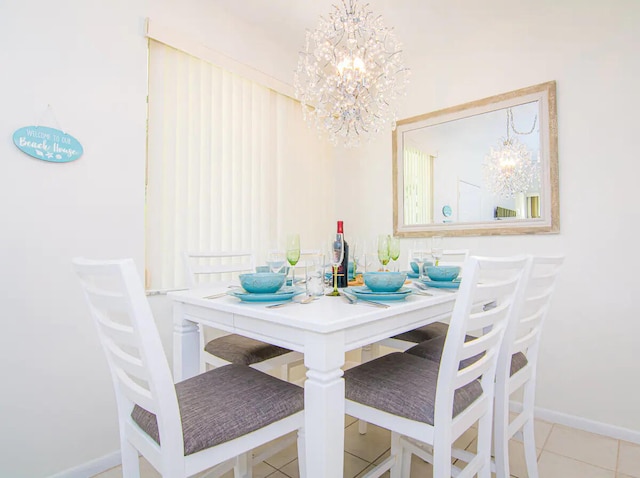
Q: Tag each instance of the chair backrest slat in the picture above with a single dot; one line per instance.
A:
(522, 344)
(470, 373)
(485, 318)
(129, 364)
(453, 257)
(200, 263)
(480, 344)
(136, 393)
(119, 333)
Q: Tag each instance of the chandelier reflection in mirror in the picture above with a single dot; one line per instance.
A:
(350, 75)
(509, 168)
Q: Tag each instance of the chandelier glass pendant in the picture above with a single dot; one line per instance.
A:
(509, 168)
(350, 74)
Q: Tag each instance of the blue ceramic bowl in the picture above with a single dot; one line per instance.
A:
(443, 273)
(414, 266)
(384, 281)
(262, 282)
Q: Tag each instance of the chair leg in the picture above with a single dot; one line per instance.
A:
(362, 427)
(284, 372)
(203, 363)
(442, 459)
(501, 438)
(528, 435)
(484, 444)
(396, 451)
(406, 463)
(530, 453)
(243, 468)
(302, 457)
(367, 353)
(130, 460)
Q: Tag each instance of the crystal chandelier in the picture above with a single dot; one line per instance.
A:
(509, 168)
(350, 74)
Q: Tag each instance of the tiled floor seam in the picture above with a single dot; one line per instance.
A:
(368, 464)
(581, 461)
(546, 440)
(618, 456)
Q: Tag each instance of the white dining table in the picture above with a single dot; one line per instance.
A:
(323, 330)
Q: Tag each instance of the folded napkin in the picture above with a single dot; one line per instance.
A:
(357, 281)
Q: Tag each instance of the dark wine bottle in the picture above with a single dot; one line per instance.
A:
(343, 268)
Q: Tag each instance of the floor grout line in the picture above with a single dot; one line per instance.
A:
(580, 461)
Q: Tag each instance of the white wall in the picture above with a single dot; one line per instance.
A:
(89, 63)
(589, 364)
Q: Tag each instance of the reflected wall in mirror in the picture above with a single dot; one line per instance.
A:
(485, 167)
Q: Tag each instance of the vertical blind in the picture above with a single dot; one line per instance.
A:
(222, 151)
(418, 187)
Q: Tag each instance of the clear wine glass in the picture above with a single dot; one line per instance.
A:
(383, 250)
(356, 251)
(275, 261)
(437, 248)
(394, 250)
(419, 256)
(336, 254)
(293, 253)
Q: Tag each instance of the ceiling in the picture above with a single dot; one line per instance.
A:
(287, 20)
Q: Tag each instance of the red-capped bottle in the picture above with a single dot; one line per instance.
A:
(343, 268)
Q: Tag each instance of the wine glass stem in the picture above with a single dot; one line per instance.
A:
(335, 278)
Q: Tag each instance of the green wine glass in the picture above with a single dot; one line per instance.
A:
(383, 250)
(394, 250)
(293, 253)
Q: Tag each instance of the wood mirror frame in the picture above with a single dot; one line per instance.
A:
(547, 197)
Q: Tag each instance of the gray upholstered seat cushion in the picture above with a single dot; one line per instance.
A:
(421, 334)
(243, 350)
(226, 403)
(432, 350)
(404, 385)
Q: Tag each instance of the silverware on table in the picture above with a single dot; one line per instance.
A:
(306, 300)
(421, 292)
(215, 296)
(425, 288)
(355, 300)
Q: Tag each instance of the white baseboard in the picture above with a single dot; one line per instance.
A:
(580, 423)
(93, 467)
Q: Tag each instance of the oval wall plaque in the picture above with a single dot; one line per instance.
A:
(47, 144)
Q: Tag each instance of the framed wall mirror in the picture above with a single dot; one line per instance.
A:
(481, 168)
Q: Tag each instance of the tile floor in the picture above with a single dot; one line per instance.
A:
(563, 453)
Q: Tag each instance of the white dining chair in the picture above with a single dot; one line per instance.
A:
(234, 348)
(406, 340)
(428, 403)
(517, 365)
(210, 421)
(522, 340)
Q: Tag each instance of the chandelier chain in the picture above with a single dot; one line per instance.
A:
(513, 127)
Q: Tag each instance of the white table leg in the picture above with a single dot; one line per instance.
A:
(186, 346)
(324, 406)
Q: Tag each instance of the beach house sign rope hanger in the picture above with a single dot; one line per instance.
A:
(47, 144)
